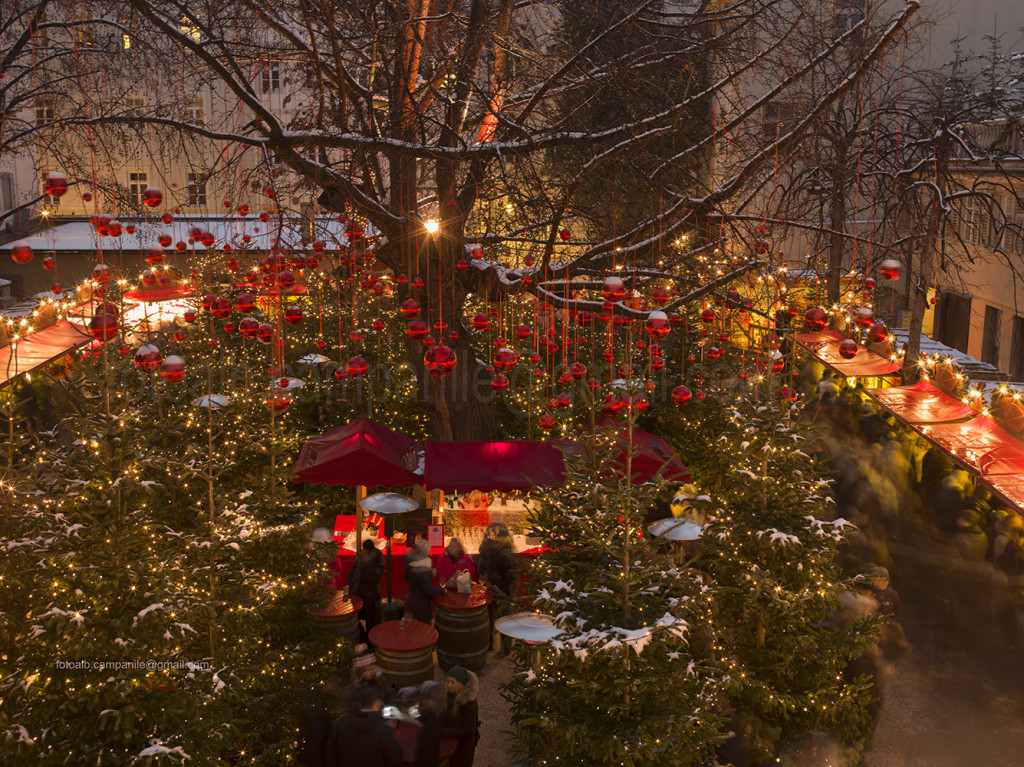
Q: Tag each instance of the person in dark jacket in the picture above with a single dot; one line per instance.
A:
(428, 742)
(461, 715)
(497, 571)
(363, 738)
(419, 574)
(315, 721)
(364, 580)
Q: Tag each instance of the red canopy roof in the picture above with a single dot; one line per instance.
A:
(824, 346)
(1009, 487)
(651, 454)
(972, 441)
(492, 466)
(922, 402)
(40, 348)
(159, 294)
(359, 453)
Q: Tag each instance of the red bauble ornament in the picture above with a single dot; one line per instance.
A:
(265, 333)
(152, 196)
(124, 350)
(475, 251)
(848, 349)
(167, 218)
(877, 333)
(505, 359)
(114, 228)
(56, 288)
(707, 316)
(56, 184)
(378, 324)
(657, 363)
(523, 332)
(785, 394)
(286, 279)
(172, 369)
(613, 289)
(357, 367)
(410, 307)
(440, 360)
(657, 324)
(869, 284)
(244, 302)
(547, 422)
(21, 252)
(49, 262)
(103, 326)
(864, 317)
(190, 315)
(499, 382)
(462, 264)
(340, 373)
(149, 277)
(293, 315)
(480, 322)
(626, 371)
(220, 308)
(355, 336)
(577, 370)
(890, 269)
(429, 340)
(816, 319)
(792, 311)
(681, 395)
(279, 404)
(417, 283)
(565, 234)
(248, 327)
(86, 196)
(101, 273)
(416, 329)
(154, 256)
(713, 353)
(147, 358)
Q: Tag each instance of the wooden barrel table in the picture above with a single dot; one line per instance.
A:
(405, 651)
(341, 615)
(463, 628)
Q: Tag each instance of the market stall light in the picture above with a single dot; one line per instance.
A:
(432, 225)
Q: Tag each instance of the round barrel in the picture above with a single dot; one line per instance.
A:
(341, 615)
(405, 651)
(463, 628)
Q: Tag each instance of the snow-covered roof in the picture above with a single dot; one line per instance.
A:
(975, 368)
(81, 235)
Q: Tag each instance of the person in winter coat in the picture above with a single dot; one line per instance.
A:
(363, 737)
(461, 715)
(428, 742)
(364, 580)
(419, 574)
(454, 560)
(497, 571)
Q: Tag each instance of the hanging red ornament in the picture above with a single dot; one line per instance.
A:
(103, 326)
(49, 262)
(577, 370)
(707, 316)
(778, 364)
(355, 335)
(285, 279)
(641, 344)
(529, 261)
(172, 369)
(321, 344)
(357, 367)
(265, 333)
(149, 277)
(416, 329)
(547, 422)
(269, 191)
(480, 322)
(611, 404)
(124, 350)
(152, 196)
(340, 373)
(180, 334)
(56, 184)
(681, 395)
(440, 360)
(657, 324)
(440, 326)
(229, 327)
(21, 252)
(429, 340)
(410, 307)
(877, 333)
(264, 216)
(660, 296)
(608, 354)
(378, 324)
(565, 234)
(101, 273)
(713, 353)
(593, 384)
(147, 358)
(462, 264)
(499, 383)
(626, 371)
(890, 269)
(87, 196)
(613, 289)
(848, 349)
(114, 228)
(563, 402)
(249, 327)
(417, 283)
(523, 332)
(279, 403)
(505, 359)
(220, 308)
(476, 251)
(293, 315)
(816, 318)
(657, 363)
(743, 375)
(869, 284)
(675, 318)
(786, 394)
(792, 311)
(864, 317)
(180, 246)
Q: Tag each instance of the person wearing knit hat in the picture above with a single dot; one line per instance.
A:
(461, 712)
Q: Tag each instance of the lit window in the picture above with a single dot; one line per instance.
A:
(196, 190)
(137, 181)
(44, 112)
(194, 110)
(134, 105)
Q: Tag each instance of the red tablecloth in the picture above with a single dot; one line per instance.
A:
(337, 606)
(453, 600)
(403, 636)
(408, 732)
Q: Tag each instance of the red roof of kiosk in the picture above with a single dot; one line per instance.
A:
(359, 453)
(153, 295)
(651, 454)
(824, 345)
(497, 466)
(922, 402)
(39, 348)
(977, 442)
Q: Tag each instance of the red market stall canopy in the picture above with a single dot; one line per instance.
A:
(921, 403)
(40, 348)
(1009, 487)
(972, 441)
(152, 295)
(360, 453)
(491, 466)
(824, 347)
(650, 455)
